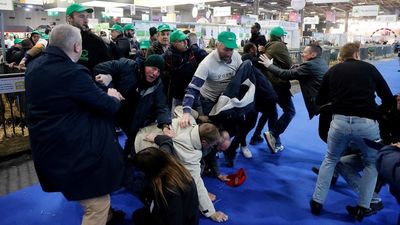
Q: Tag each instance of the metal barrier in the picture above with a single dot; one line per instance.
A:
(14, 133)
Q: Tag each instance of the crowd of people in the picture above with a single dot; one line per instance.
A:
(179, 106)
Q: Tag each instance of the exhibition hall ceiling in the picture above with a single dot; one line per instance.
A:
(387, 7)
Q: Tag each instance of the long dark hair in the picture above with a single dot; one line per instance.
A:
(164, 171)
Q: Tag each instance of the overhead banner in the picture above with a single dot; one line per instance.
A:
(328, 1)
(311, 20)
(126, 20)
(117, 12)
(386, 18)
(222, 11)
(365, 10)
(6, 5)
(31, 2)
(330, 16)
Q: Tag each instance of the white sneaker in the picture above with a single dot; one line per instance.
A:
(246, 152)
(270, 141)
(279, 148)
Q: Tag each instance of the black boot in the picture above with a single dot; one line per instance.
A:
(315, 207)
(357, 212)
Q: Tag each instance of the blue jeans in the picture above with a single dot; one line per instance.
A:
(349, 167)
(343, 130)
(278, 126)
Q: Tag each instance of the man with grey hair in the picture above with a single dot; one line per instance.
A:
(74, 147)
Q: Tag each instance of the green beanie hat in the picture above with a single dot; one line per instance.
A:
(155, 61)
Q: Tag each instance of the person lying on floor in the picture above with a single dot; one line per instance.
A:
(388, 162)
(188, 146)
(172, 198)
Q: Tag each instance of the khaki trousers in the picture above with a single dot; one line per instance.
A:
(96, 210)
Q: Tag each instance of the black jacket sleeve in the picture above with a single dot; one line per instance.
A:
(165, 143)
(291, 74)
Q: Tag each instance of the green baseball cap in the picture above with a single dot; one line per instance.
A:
(228, 39)
(36, 32)
(117, 28)
(75, 7)
(163, 27)
(144, 44)
(17, 41)
(177, 36)
(45, 36)
(278, 32)
(129, 26)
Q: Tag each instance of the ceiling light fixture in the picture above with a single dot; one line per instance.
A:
(195, 12)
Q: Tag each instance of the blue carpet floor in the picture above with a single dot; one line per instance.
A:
(277, 190)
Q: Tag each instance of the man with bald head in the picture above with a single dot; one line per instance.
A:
(74, 147)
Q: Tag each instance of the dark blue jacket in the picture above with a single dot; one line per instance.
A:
(388, 165)
(144, 103)
(71, 133)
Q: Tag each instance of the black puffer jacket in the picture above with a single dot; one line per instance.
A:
(181, 67)
(310, 75)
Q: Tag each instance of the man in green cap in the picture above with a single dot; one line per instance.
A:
(129, 32)
(35, 36)
(94, 50)
(120, 45)
(276, 49)
(181, 62)
(161, 45)
(15, 49)
(210, 80)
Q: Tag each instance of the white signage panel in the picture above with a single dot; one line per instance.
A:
(222, 11)
(365, 10)
(311, 20)
(12, 84)
(118, 12)
(126, 20)
(6, 5)
(386, 18)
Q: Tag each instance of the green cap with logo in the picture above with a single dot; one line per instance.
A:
(177, 36)
(17, 41)
(117, 28)
(36, 32)
(129, 26)
(277, 32)
(75, 7)
(163, 27)
(228, 39)
(144, 44)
